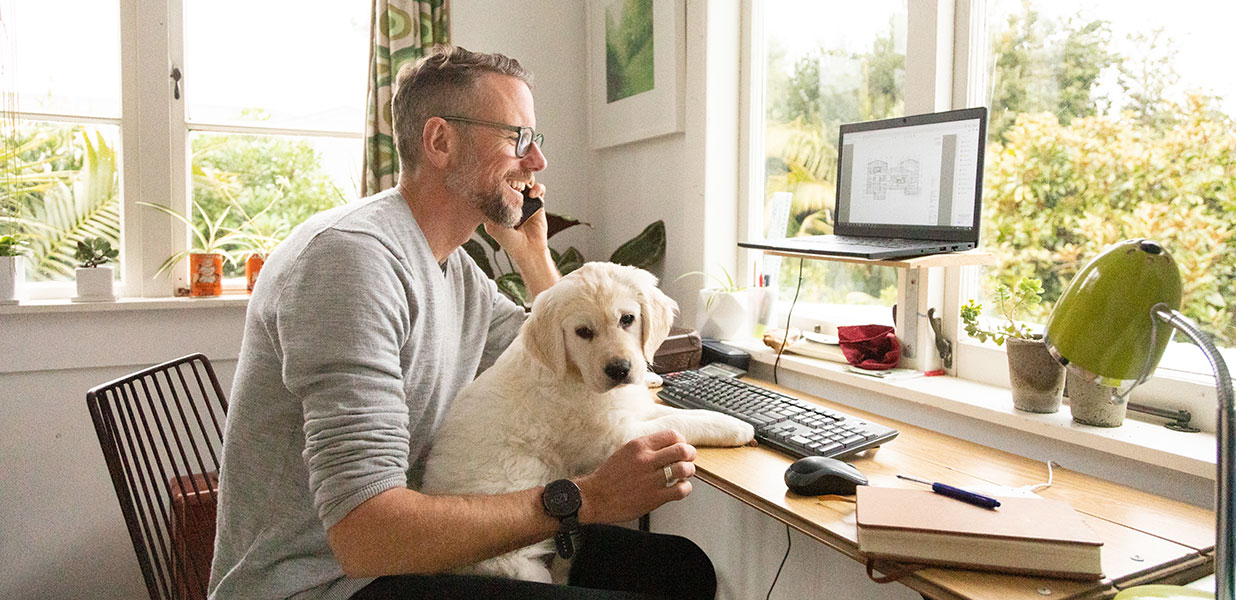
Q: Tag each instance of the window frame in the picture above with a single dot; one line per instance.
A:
(946, 62)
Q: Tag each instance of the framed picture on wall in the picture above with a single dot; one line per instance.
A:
(636, 55)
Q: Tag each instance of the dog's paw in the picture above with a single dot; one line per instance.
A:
(742, 434)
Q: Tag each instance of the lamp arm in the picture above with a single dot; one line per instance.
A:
(1225, 586)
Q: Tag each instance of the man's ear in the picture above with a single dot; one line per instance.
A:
(438, 141)
(543, 336)
(656, 317)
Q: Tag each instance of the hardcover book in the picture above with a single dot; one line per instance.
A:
(1024, 535)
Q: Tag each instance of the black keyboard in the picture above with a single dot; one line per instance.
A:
(793, 426)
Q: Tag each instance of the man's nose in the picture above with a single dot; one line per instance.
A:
(535, 160)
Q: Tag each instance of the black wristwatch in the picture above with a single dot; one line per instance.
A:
(561, 500)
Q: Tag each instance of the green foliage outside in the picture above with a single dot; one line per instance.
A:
(1068, 172)
(60, 186)
(805, 110)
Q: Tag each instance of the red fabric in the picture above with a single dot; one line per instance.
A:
(872, 347)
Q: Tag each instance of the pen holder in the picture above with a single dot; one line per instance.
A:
(763, 303)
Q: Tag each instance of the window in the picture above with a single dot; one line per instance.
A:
(266, 121)
(1113, 121)
(825, 64)
(1108, 120)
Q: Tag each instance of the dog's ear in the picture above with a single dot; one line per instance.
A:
(657, 316)
(543, 336)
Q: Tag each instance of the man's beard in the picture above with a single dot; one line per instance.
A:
(464, 180)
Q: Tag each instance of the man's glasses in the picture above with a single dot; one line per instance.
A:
(523, 143)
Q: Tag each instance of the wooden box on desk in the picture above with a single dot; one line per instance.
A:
(194, 501)
(680, 351)
(1024, 535)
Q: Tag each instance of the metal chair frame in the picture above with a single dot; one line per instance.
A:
(159, 428)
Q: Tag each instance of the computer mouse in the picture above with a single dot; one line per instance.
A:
(817, 476)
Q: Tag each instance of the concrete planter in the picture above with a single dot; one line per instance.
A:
(1035, 378)
(95, 285)
(723, 315)
(12, 275)
(1093, 403)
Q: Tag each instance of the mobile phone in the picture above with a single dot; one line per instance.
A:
(531, 205)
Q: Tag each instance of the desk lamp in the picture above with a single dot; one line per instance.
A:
(1109, 327)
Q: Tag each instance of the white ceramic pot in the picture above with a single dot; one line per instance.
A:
(95, 285)
(12, 275)
(723, 315)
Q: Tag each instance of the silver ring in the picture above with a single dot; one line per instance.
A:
(669, 476)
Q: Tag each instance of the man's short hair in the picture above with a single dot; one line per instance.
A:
(441, 83)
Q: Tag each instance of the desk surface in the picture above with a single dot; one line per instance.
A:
(1147, 538)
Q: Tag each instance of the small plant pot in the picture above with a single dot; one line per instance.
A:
(205, 274)
(12, 274)
(252, 266)
(1035, 378)
(1093, 403)
(95, 284)
(724, 315)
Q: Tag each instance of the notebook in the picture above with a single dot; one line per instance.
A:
(1024, 535)
(905, 187)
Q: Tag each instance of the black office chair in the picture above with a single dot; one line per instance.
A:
(161, 431)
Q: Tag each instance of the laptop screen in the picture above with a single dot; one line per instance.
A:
(918, 177)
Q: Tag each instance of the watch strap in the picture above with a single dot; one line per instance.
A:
(568, 539)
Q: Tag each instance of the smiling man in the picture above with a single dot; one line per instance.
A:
(366, 322)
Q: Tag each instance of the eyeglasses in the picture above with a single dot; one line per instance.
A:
(523, 143)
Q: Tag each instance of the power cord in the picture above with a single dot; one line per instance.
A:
(787, 555)
(788, 314)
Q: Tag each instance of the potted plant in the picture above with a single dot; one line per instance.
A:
(208, 252)
(12, 271)
(643, 251)
(726, 313)
(1035, 378)
(94, 278)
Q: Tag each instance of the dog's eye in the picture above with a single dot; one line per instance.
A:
(626, 321)
(584, 332)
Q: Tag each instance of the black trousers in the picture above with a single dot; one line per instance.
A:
(615, 563)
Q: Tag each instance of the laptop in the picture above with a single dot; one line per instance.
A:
(905, 187)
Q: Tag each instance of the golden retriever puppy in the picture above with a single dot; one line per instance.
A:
(565, 395)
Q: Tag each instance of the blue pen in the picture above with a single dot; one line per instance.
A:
(957, 493)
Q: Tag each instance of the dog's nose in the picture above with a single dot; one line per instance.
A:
(618, 369)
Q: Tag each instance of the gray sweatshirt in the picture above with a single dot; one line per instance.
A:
(355, 342)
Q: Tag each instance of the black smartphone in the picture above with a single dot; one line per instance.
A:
(531, 205)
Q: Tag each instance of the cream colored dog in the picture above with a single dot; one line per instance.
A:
(565, 395)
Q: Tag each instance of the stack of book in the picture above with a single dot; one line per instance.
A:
(1024, 535)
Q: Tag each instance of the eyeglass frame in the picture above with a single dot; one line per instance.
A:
(532, 136)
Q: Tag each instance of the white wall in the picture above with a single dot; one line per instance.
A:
(61, 532)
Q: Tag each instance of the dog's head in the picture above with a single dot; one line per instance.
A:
(602, 324)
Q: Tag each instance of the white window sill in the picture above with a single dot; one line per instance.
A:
(30, 307)
(1141, 441)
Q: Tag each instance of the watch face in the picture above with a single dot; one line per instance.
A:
(561, 498)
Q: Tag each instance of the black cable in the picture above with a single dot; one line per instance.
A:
(788, 314)
(787, 555)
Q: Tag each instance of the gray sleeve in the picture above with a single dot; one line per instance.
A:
(342, 319)
(506, 317)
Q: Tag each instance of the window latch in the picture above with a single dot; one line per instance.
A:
(943, 345)
(176, 85)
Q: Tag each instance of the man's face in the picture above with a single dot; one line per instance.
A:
(487, 174)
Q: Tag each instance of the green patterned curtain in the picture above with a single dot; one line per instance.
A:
(401, 32)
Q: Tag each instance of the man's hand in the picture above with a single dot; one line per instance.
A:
(632, 482)
(528, 247)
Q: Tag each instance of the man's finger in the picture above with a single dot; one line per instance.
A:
(661, 439)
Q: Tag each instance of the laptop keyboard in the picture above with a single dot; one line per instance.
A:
(877, 242)
(793, 426)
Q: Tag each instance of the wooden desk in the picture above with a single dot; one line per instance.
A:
(1147, 538)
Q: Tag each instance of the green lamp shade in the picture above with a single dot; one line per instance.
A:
(1102, 323)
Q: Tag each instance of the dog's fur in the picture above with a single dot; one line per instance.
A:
(551, 407)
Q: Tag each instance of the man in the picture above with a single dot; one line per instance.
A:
(367, 320)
